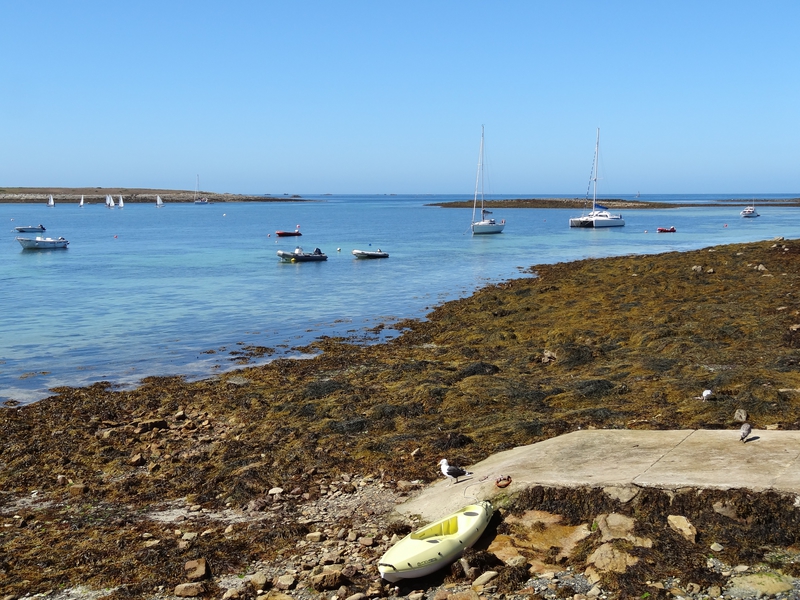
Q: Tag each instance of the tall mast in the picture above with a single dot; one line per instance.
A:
(596, 161)
(479, 181)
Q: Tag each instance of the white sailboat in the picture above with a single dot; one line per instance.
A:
(159, 202)
(197, 191)
(121, 203)
(110, 201)
(483, 225)
(81, 202)
(50, 201)
(599, 215)
(750, 211)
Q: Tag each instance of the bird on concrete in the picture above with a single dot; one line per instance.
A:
(745, 431)
(452, 471)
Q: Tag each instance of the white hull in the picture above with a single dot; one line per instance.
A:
(42, 243)
(597, 220)
(488, 226)
(436, 545)
(750, 212)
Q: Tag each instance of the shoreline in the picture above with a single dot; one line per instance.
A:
(614, 343)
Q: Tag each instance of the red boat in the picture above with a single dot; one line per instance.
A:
(665, 230)
(288, 233)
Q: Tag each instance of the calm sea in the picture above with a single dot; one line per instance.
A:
(144, 291)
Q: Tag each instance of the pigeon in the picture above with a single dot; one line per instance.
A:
(452, 471)
(745, 431)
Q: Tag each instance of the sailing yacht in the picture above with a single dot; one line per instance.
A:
(81, 203)
(121, 203)
(50, 201)
(159, 202)
(484, 225)
(599, 215)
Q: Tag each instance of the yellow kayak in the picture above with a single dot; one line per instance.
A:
(436, 545)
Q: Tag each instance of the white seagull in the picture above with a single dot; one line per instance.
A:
(707, 394)
(452, 471)
(745, 431)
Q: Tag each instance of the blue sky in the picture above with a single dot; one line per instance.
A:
(389, 97)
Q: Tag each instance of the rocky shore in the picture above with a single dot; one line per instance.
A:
(130, 195)
(281, 480)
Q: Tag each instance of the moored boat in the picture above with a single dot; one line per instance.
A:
(370, 254)
(30, 228)
(666, 229)
(280, 233)
(437, 545)
(750, 211)
(485, 224)
(599, 216)
(42, 243)
(299, 256)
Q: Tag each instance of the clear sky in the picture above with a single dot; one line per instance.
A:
(389, 97)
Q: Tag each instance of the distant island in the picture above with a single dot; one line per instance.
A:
(130, 195)
(612, 203)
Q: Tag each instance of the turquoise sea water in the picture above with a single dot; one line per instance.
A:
(144, 291)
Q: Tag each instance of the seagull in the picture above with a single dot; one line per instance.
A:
(745, 431)
(452, 471)
(707, 394)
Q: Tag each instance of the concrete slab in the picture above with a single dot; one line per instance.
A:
(619, 458)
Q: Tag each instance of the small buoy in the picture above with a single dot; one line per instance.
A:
(224, 215)
(115, 237)
(297, 226)
(269, 235)
(338, 249)
(645, 230)
(725, 225)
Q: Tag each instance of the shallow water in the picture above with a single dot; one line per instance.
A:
(145, 291)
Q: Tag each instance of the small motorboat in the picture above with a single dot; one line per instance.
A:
(370, 254)
(288, 233)
(42, 243)
(666, 230)
(749, 212)
(29, 228)
(437, 545)
(299, 256)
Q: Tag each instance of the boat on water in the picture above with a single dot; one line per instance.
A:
(30, 228)
(750, 211)
(437, 545)
(599, 215)
(159, 202)
(81, 202)
(197, 192)
(42, 243)
(370, 254)
(484, 224)
(666, 229)
(50, 201)
(281, 233)
(109, 201)
(121, 203)
(299, 256)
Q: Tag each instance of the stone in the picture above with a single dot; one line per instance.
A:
(740, 415)
(275, 491)
(137, 460)
(682, 525)
(196, 569)
(366, 541)
(284, 582)
(622, 493)
(465, 595)
(619, 527)
(189, 590)
(78, 489)
(716, 547)
(315, 536)
(485, 578)
(608, 558)
(189, 536)
(714, 591)
(258, 580)
(329, 580)
(725, 509)
(231, 593)
(356, 596)
(759, 584)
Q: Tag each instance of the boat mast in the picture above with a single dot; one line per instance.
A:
(596, 160)
(479, 180)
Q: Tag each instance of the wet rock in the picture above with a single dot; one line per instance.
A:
(137, 460)
(619, 527)
(622, 493)
(485, 578)
(78, 489)
(329, 580)
(258, 580)
(284, 582)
